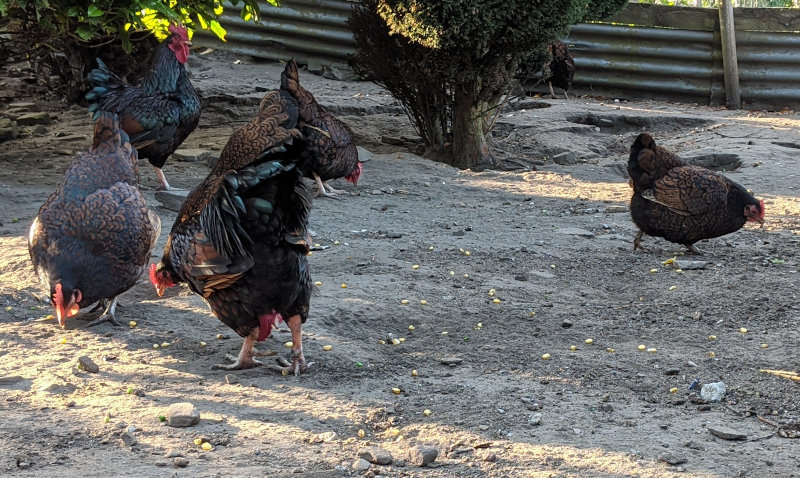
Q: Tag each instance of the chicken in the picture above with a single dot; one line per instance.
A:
(91, 239)
(240, 239)
(159, 114)
(334, 153)
(682, 203)
(561, 69)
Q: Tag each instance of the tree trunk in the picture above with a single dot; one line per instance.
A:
(470, 129)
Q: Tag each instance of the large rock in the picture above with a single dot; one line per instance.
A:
(172, 199)
(182, 414)
(28, 119)
(191, 155)
(422, 455)
(565, 159)
(8, 129)
(376, 455)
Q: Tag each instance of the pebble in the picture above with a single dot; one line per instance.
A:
(128, 438)
(33, 118)
(174, 454)
(361, 465)
(172, 200)
(231, 379)
(376, 455)
(688, 265)
(8, 129)
(576, 231)
(726, 433)
(535, 419)
(182, 414)
(87, 364)
(451, 361)
(423, 455)
(180, 462)
(191, 155)
(394, 235)
(672, 371)
(616, 209)
(543, 275)
(565, 158)
(566, 324)
(490, 457)
(671, 459)
(713, 392)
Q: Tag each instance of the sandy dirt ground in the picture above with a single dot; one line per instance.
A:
(530, 259)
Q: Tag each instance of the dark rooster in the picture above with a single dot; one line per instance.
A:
(333, 151)
(92, 238)
(159, 114)
(561, 68)
(240, 239)
(681, 203)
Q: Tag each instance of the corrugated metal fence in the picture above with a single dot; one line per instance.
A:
(645, 51)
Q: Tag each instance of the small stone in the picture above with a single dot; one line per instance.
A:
(87, 364)
(180, 462)
(726, 433)
(376, 455)
(58, 389)
(672, 371)
(614, 208)
(490, 457)
(543, 275)
(606, 407)
(713, 392)
(24, 107)
(231, 379)
(172, 199)
(576, 231)
(174, 454)
(191, 155)
(459, 233)
(394, 235)
(451, 361)
(687, 265)
(566, 324)
(212, 159)
(671, 459)
(422, 455)
(535, 419)
(361, 465)
(565, 158)
(8, 129)
(29, 119)
(182, 414)
(128, 438)
(364, 154)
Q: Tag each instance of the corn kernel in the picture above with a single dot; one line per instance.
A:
(712, 337)
(545, 356)
(164, 345)
(198, 441)
(427, 412)
(673, 287)
(132, 324)
(743, 330)
(404, 301)
(289, 344)
(206, 446)
(589, 341)
(202, 344)
(712, 354)
(344, 286)
(452, 273)
(414, 373)
(642, 347)
(423, 302)
(395, 341)
(361, 433)
(63, 340)
(318, 283)
(411, 327)
(496, 301)
(610, 350)
(415, 266)
(382, 342)
(653, 271)
(673, 390)
(336, 243)
(396, 391)
(573, 347)
(467, 253)
(327, 348)
(155, 346)
(401, 339)
(652, 350)
(764, 346)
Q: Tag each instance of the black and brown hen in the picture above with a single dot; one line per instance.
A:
(240, 240)
(91, 239)
(159, 114)
(333, 150)
(681, 203)
(560, 70)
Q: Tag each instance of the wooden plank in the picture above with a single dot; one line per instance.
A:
(733, 97)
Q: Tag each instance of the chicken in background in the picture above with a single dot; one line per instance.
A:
(91, 239)
(681, 203)
(333, 150)
(240, 239)
(561, 68)
(159, 114)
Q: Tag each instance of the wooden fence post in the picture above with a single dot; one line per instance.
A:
(729, 63)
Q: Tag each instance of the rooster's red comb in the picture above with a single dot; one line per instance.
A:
(153, 279)
(179, 30)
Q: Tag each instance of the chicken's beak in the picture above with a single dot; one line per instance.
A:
(160, 290)
(61, 315)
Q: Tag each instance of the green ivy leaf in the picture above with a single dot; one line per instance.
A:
(93, 11)
(84, 32)
(217, 29)
(74, 12)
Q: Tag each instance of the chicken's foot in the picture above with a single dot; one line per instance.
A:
(694, 250)
(298, 364)
(637, 242)
(162, 179)
(245, 359)
(323, 189)
(108, 314)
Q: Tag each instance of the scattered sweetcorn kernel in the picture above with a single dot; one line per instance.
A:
(132, 324)
(155, 346)
(573, 347)
(414, 373)
(288, 344)
(207, 446)
(764, 346)
(466, 276)
(430, 248)
(318, 283)
(202, 344)
(452, 273)
(427, 412)
(220, 336)
(198, 441)
(552, 266)
(336, 243)
(411, 327)
(653, 271)
(496, 301)
(652, 350)
(467, 253)
(396, 391)
(361, 433)
(642, 347)
(382, 342)
(327, 348)
(545, 356)
(673, 390)
(404, 301)
(9, 308)
(395, 341)
(491, 292)
(610, 350)
(743, 330)
(712, 337)
(415, 266)
(712, 354)
(531, 313)
(588, 341)
(673, 287)
(402, 339)
(445, 332)
(164, 345)
(679, 271)
(423, 302)
(63, 340)
(344, 286)
(461, 250)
